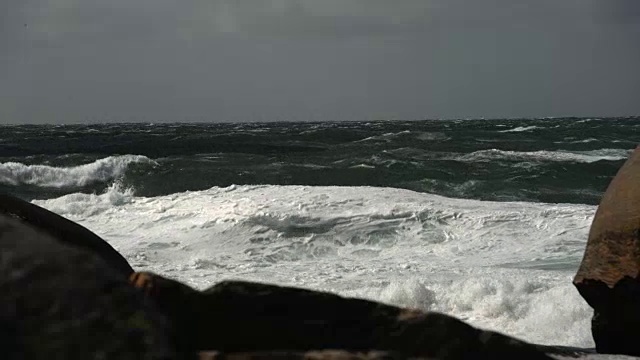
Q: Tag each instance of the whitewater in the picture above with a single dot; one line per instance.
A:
(106, 169)
(505, 266)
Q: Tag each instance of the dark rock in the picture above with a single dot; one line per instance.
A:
(609, 275)
(59, 301)
(63, 230)
(308, 355)
(238, 316)
(566, 351)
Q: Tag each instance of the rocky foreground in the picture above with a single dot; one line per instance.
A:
(67, 294)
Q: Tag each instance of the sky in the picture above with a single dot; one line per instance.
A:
(74, 61)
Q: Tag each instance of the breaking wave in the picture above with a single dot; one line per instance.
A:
(102, 170)
(545, 155)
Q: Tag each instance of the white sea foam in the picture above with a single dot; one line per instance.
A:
(75, 204)
(420, 135)
(387, 137)
(545, 155)
(505, 266)
(583, 141)
(109, 168)
(520, 129)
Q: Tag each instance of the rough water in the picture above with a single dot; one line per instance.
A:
(485, 220)
(543, 160)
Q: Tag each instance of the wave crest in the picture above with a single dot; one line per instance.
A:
(87, 205)
(102, 170)
(545, 155)
(520, 129)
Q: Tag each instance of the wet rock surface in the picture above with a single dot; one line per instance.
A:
(609, 275)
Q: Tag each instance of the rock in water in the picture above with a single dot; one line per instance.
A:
(64, 302)
(246, 317)
(63, 230)
(609, 275)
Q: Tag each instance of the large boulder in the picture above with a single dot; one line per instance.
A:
(63, 230)
(247, 317)
(59, 301)
(609, 275)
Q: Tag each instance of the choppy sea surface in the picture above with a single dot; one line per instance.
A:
(485, 220)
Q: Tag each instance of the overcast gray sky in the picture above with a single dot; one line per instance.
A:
(265, 60)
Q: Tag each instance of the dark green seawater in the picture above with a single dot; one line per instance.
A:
(560, 160)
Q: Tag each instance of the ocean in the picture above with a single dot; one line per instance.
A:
(485, 220)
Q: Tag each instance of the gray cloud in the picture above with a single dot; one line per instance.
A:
(618, 12)
(160, 60)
